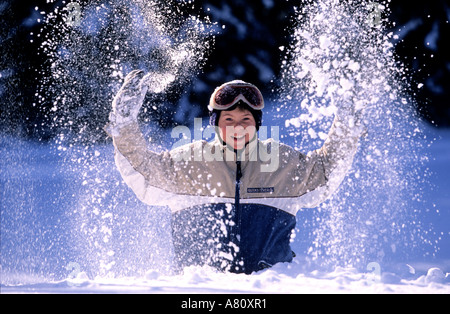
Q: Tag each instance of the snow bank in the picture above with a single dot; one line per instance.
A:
(282, 279)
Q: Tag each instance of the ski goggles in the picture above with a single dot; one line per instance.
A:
(229, 94)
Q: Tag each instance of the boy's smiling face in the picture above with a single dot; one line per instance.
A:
(237, 127)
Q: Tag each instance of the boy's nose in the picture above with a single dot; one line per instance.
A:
(238, 128)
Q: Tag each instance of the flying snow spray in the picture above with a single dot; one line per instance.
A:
(342, 52)
(91, 46)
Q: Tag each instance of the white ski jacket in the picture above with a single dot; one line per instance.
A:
(299, 181)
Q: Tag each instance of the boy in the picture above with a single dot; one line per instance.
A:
(231, 209)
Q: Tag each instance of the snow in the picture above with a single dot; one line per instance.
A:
(282, 279)
(69, 224)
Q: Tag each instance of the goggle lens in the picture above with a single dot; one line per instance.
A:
(229, 95)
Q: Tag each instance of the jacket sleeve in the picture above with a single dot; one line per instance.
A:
(328, 166)
(150, 175)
